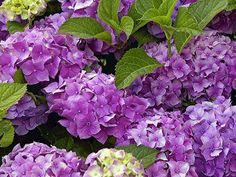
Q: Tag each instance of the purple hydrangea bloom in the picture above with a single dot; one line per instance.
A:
(213, 128)
(40, 160)
(88, 8)
(167, 133)
(41, 54)
(26, 115)
(93, 107)
(205, 70)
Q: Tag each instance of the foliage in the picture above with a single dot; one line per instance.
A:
(190, 21)
(145, 154)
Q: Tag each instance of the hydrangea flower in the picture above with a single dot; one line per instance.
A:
(88, 8)
(40, 160)
(26, 115)
(205, 70)
(93, 107)
(213, 128)
(41, 53)
(26, 9)
(113, 163)
(167, 133)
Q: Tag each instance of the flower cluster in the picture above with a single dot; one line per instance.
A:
(26, 115)
(26, 9)
(205, 70)
(93, 107)
(167, 133)
(41, 54)
(111, 163)
(213, 128)
(40, 160)
(88, 8)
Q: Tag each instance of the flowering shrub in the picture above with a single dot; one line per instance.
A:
(138, 88)
(199, 73)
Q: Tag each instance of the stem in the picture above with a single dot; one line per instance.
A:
(30, 22)
(169, 49)
(32, 96)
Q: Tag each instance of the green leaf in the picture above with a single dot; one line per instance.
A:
(143, 36)
(136, 16)
(65, 143)
(157, 3)
(6, 133)
(143, 5)
(19, 77)
(86, 28)
(185, 22)
(127, 25)
(58, 136)
(10, 93)
(13, 27)
(203, 11)
(108, 12)
(165, 12)
(150, 14)
(167, 7)
(162, 16)
(231, 5)
(181, 40)
(146, 155)
(133, 64)
(2, 114)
